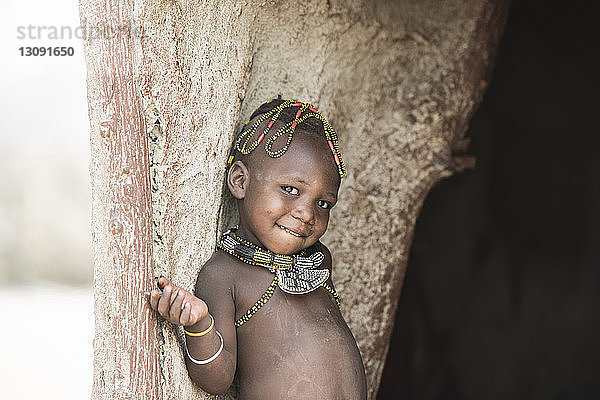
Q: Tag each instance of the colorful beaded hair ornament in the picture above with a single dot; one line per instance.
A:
(305, 111)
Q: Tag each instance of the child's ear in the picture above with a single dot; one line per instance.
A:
(237, 179)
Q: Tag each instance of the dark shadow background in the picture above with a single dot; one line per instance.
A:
(502, 294)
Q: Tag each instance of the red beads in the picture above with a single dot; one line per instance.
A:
(245, 147)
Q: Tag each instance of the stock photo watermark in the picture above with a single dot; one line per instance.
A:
(85, 31)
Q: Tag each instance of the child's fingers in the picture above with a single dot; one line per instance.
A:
(176, 304)
(175, 293)
(198, 310)
(154, 297)
(163, 282)
(178, 296)
(164, 304)
(184, 318)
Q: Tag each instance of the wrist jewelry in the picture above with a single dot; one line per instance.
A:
(204, 332)
(202, 362)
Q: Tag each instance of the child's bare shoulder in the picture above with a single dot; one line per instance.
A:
(219, 267)
(216, 278)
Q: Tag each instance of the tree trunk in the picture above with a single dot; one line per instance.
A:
(168, 84)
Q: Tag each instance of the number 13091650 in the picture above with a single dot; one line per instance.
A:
(46, 51)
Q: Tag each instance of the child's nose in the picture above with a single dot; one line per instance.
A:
(304, 212)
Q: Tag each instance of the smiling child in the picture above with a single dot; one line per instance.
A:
(264, 304)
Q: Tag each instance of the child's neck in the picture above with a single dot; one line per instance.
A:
(246, 234)
(294, 274)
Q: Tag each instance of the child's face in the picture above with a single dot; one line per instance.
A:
(286, 201)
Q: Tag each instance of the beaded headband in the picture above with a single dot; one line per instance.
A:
(305, 111)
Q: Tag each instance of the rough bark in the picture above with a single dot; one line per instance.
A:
(126, 341)
(398, 80)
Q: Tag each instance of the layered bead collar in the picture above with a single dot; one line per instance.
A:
(296, 273)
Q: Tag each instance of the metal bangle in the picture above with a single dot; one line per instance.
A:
(203, 362)
(204, 332)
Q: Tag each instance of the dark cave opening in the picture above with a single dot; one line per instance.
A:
(503, 285)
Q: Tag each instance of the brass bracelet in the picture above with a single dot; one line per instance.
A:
(204, 332)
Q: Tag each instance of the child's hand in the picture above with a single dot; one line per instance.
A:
(177, 305)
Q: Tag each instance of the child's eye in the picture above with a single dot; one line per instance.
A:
(290, 189)
(324, 204)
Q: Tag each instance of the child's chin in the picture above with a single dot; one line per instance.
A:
(293, 248)
(287, 246)
(287, 250)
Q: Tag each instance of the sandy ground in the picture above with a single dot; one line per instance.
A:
(46, 342)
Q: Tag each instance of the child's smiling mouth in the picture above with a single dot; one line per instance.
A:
(291, 232)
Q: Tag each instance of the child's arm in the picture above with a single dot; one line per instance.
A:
(180, 307)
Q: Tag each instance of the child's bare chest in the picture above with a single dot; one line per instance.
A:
(297, 346)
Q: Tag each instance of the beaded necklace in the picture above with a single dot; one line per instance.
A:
(294, 274)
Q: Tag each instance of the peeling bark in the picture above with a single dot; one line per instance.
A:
(399, 81)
